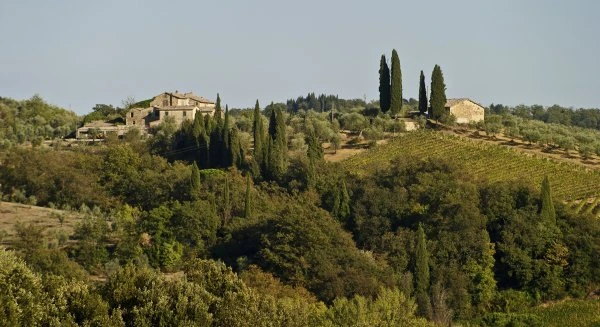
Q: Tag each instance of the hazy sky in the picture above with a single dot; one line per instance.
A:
(79, 53)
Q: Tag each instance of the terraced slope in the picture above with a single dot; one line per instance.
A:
(484, 162)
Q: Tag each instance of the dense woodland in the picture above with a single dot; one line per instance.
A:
(238, 220)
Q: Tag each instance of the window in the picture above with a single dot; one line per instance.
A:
(131, 114)
(184, 113)
(134, 122)
(165, 103)
(166, 114)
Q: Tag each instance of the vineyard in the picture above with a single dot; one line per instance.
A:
(486, 163)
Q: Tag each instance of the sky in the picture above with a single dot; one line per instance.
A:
(76, 54)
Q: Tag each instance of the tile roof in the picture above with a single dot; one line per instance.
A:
(455, 101)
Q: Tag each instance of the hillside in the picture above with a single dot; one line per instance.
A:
(53, 221)
(485, 162)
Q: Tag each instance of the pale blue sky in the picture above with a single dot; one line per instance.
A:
(79, 53)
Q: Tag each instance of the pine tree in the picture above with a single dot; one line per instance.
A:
(422, 95)
(396, 85)
(247, 199)
(438, 94)
(384, 85)
(547, 211)
(422, 274)
(194, 188)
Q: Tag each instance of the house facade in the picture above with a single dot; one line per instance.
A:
(179, 106)
(465, 110)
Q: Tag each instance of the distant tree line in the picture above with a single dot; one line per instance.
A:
(586, 118)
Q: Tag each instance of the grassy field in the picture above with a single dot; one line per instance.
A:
(483, 161)
(53, 221)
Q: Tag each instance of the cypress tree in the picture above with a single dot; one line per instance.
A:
(273, 129)
(396, 85)
(438, 94)
(226, 202)
(226, 152)
(247, 198)
(422, 95)
(547, 211)
(384, 85)
(422, 274)
(218, 111)
(259, 140)
(194, 189)
(344, 210)
(276, 155)
(216, 146)
(236, 153)
(314, 154)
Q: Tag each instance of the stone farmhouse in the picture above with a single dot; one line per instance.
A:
(179, 106)
(465, 110)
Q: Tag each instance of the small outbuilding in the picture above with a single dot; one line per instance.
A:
(465, 110)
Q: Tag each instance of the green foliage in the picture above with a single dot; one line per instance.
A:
(194, 190)
(147, 299)
(247, 199)
(34, 120)
(305, 246)
(60, 177)
(422, 274)
(438, 94)
(395, 85)
(390, 308)
(384, 85)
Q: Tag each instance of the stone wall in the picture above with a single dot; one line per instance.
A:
(467, 112)
(140, 116)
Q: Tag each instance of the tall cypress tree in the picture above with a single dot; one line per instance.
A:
(344, 210)
(422, 95)
(422, 274)
(226, 202)
(247, 199)
(384, 85)
(259, 136)
(547, 211)
(396, 85)
(236, 152)
(194, 188)
(226, 155)
(438, 94)
(275, 162)
(218, 111)
(315, 155)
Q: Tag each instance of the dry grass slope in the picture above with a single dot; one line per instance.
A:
(54, 221)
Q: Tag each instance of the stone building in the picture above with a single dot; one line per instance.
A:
(465, 110)
(179, 106)
(99, 129)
